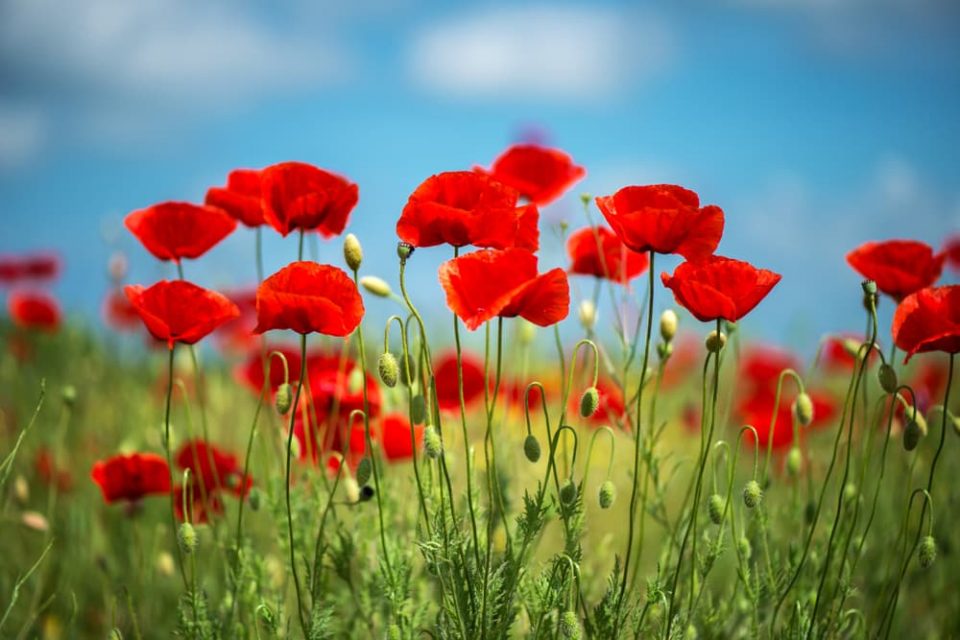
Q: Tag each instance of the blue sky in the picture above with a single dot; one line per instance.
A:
(815, 124)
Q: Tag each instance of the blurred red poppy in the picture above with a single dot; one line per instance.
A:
(215, 468)
(394, 436)
(611, 410)
(300, 196)
(761, 366)
(131, 477)
(337, 386)
(952, 250)
(199, 510)
(597, 251)
(448, 383)
(34, 310)
(307, 297)
(177, 230)
(314, 447)
(240, 198)
(757, 409)
(119, 313)
(836, 355)
(251, 373)
(50, 472)
(237, 335)
(719, 287)
(899, 267)
(180, 311)
(490, 283)
(539, 174)
(467, 208)
(663, 218)
(928, 320)
(32, 266)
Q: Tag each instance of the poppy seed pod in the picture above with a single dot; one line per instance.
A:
(869, 287)
(366, 493)
(418, 409)
(715, 508)
(588, 314)
(570, 626)
(568, 492)
(668, 325)
(916, 428)
(752, 494)
(283, 398)
(803, 409)
(404, 250)
(187, 538)
(531, 448)
(589, 402)
(743, 545)
(376, 286)
(608, 493)
(432, 444)
(794, 461)
(389, 369)
(352, 252)
(888, 378)
(364, 470)
(927, 552)
(715, 341)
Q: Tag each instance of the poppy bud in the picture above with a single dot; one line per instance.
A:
(432, 444)
(376, 286)
(715, 341)
(364, 470)
(586, 199)
(351, 490)
(668, 325)
(691, 633)
(115, 634)
(355, 380)
(664, 350)
(393, 632)
(608, 493)
(418, 409)
(284, 398)
(589, 402)
(588, 314)
(352, 252)
(794, 461)
(69, 394)
(570, 626)
(888, 378)
(404, 251)
(869, 287)
(366, 493)
(568, 492)
(803, 409)
(715, 509)
(254, 497)
(743, 545)
(927, 552)
(527, 332)
(916, 428)
(187, 538)
(531, 448)
(389, 369)
(752, 494)
(408, 373)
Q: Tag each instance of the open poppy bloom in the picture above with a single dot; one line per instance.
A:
(663, 218)
(52, 473)
(539, 174)
(300, 196)
(250, 372)
(448, 382)
(180, 311)
(177, 230)
(928, 320)
(490, 283)
(952, 250)
(463, 208)
(757, 409)
(34, 266)
(899, 267)
(215, 468)
(761, 365)
(719, 287)
(307, 297)
(394, 435)
(597, 251)
(336, 385)
(118, 313)
(240, 198)
(34, 310)
(132, 477)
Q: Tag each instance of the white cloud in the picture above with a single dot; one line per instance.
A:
(546, 52)
(24, 131)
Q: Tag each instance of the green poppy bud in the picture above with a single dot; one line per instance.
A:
(283, 398)
(568, 492)
(254, 498)
(187, 538)
(355, 380)
(570, 626)
(850, 493)
(115, 634)
(715, 341)
(752, 494)
(927, 552)
(608, 493)
(810, 512)
(432, 444)
(408, 372)
(352, 252)
(668, 325)
(715, 508)
(364, 470)
(743, 546)
(531, 448)
(916, 428)
(376, 286)
(589, 402)
(794, 461)
(803, 409)
(69, 394)
(869, 287)
(888, 378)
(664, 350)
(588, 314)
(418, 409)
(389, 369)
(690, 633)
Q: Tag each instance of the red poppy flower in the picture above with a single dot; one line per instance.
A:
(131, 477)
(539, 174)
(719, 287)
(467, 208)
(489, 283)
(240, 198)
(448, 383)
(597, 251)
(251, 373)
(307, 297)
(835, 355)
(335, 385)
(758, 407)
(177, 230)
(952, 249)
(119, 313)
(50, 472)
(34, 310)
(199, 510)
(899, 267)
(297, 195)
(35, 266)
(762, 365)
(180, 311)
(928, 320)
(395, 437)
(311, 448)
(215, 468)
(663, 218)
(611, 410)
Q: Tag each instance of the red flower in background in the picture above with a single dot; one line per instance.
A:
(539, 174)
(307, 297)
(34, 310)
(952, 250)
(394, 435)
(200, 511)
(835, 355)
(240, 198)
(761, 366)
(177, 230)
(757, 409)
(611, 410)
(237, 335)
(35, 266)
(467, 208)
(311, 448)
(336, 386)
(180, 311)
(719, 287)
(50, 472)
(215, 468)
(448, 383)
(928, 320)
(131, 477)
(899, 267)
(597, 251)
(300, 196)
(119, 313)
(490, 283)
(663, 218)
(251, 373)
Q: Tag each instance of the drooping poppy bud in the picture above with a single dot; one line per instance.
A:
(715, 508)
(531, 448)
(187, 538)
(803, 409)
(608, 493)
(432, 444)
(752, 494)
(388, 368)
(589, 402)
(794, 461)
(927, 552)
(284, 398)
(364, 471)
(568, 492)
(888, 378)
(570, 626)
